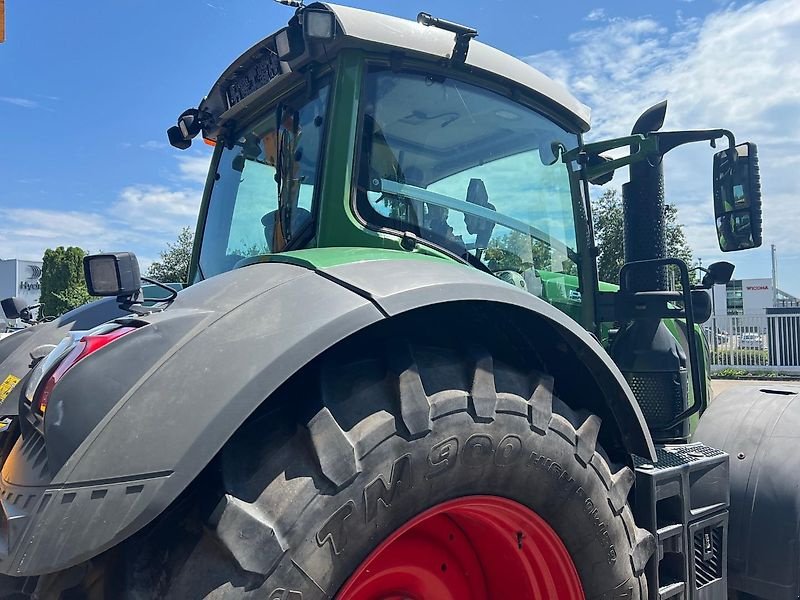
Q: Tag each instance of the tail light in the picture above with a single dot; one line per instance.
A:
(84, 347)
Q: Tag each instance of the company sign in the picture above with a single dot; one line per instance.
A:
(29, 280)
(32, 282)
(754, 288)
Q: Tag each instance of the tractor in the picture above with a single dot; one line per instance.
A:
(393, 372)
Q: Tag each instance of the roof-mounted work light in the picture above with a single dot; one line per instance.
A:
(319, 24)
(289, 43)
(112, 274)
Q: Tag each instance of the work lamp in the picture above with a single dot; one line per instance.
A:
(112, 274)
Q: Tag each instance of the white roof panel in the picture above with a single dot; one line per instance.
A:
(393, 31)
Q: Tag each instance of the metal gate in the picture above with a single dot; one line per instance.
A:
(756, 343)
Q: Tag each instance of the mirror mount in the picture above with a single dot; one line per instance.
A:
(718, 273)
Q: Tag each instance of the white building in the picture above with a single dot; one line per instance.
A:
(744, 297)
(20, 278)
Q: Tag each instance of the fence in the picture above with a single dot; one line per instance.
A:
(755, 343)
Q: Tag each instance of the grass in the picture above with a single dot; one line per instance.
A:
(734, 373)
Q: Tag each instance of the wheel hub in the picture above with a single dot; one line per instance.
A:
(471, 548)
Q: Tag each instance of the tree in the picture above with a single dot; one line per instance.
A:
(63, 285)
(510, 250)
(174, 264)
(608, 235)
(607, 218)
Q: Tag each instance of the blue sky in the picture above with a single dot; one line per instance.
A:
(87, 90)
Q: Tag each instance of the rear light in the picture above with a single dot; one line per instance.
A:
(83, 348)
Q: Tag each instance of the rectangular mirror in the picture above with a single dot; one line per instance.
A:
(737, 198)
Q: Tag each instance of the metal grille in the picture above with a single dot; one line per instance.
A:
(659, 394)
(709, 569)
(683, 454)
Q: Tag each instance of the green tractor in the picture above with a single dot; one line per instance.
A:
(394, 373)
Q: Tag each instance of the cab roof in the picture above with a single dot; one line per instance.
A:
(374, 31)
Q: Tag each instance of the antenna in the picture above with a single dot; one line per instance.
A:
(463, 35)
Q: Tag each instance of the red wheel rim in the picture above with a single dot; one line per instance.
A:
(472, 548)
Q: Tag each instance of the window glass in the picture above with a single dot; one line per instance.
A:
(471, 171)
(262, 199)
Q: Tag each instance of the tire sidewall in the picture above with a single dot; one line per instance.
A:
(401, 478)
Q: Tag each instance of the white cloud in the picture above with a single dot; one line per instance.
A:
(194, 167)
(734, 69)
(157, 209)
(153, 145)
(597, 14)
(143, 218)
(22, 102)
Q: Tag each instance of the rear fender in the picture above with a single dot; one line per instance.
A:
(129, 428)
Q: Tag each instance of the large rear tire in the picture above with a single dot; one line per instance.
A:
(313, 489)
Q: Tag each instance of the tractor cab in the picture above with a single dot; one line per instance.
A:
(350, 129)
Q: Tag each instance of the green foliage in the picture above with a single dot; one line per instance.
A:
(508, 251)
(63, 285)
(731, 373)
(607, 218)
(608, 234)
(174, 264)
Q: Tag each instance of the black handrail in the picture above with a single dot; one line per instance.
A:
(700, 400)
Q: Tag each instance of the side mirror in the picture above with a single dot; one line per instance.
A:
(717, 273)
(181, 135)
(113, 274)
(701, 306)
(737, 198)
(14, 308)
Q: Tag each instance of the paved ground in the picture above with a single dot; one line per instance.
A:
(720, 385)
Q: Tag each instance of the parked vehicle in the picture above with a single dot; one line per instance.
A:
(751, 341)
(349, 400)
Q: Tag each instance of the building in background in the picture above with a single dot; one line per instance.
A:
(750, 297)
(21, 278)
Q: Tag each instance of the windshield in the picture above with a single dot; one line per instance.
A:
(263, 194)
(469, 170)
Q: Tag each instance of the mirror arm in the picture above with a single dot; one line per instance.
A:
(643, 147)
(669, 140)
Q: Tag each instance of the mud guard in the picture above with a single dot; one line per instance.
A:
(128, 429)
(759, 427)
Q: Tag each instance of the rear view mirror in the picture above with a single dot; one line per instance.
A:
(737, 198)
(701, 306)
(717, 273)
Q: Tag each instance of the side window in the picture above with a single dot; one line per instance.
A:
(257, 189)
(262, 200)
(473, 172)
